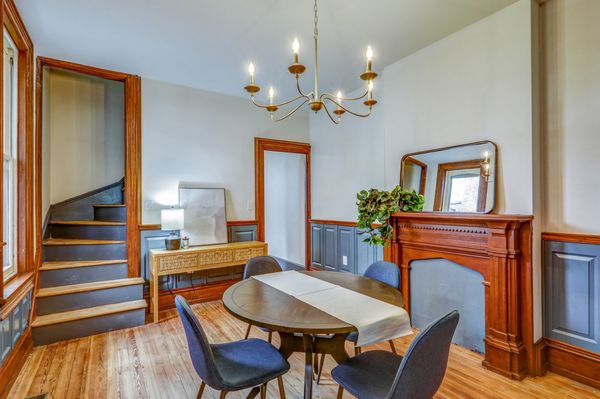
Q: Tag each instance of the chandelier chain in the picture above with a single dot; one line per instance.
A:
(316, 9)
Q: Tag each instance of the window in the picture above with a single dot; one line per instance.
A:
(9, 152)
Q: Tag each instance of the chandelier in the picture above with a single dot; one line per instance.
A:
(315, 100)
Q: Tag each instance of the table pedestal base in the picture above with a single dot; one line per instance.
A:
(311, 344)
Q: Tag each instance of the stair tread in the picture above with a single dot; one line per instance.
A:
(87, 313)
(109, 205)
(87, 223)
(78, 263)
(73, 241)
(85, 287)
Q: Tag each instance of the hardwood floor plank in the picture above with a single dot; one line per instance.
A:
(152, 361)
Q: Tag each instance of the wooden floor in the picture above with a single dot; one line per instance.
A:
(151, 361)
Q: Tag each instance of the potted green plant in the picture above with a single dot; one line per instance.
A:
(377, 206)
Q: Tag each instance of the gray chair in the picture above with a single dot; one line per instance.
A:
(386, 273)
(385, 375)
(249, 363)
(254, 267)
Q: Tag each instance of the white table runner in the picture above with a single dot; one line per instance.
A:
(375, 320)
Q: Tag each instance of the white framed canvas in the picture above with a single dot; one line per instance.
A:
(204, 214)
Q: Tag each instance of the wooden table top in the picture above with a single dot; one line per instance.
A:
(261, 305)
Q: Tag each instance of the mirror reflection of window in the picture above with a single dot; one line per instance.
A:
(462, 194)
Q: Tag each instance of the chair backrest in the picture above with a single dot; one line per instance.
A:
(424, 365)
(198, 345)
(261, 265)
(385, 272)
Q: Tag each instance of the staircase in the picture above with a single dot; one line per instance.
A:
(83, 284)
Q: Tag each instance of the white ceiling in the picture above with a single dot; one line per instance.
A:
(208, 44)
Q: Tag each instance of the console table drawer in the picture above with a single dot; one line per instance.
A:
(173, 263)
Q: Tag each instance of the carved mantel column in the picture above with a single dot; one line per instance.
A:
(499, 248)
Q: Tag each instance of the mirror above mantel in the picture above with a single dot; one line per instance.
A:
(459, 179)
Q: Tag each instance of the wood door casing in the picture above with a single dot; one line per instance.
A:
(260, 146)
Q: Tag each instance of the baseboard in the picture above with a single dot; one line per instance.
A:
(12, 366)
(569, 361)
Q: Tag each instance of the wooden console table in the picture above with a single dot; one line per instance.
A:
(164, 262)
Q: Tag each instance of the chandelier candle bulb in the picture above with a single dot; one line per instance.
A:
(369, 58)
(271, 95)
(251, 72)
(296, 49)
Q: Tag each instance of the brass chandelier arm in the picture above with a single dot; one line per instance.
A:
(300, 90)
(280, 104)
(332, 97)
(292, 111)
(329, 115)
(348, 110)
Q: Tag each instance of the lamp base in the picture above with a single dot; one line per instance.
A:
(172, 243)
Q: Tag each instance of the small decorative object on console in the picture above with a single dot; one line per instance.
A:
(172, 219)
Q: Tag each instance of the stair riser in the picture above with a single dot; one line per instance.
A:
(84, 252)
(112, 214)
(85, 327)
(88, 232)
(80, 300)
(78, 275)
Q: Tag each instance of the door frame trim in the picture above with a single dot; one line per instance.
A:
(133, 156)
(260, 146)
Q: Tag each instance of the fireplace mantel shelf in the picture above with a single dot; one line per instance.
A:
(499, 248)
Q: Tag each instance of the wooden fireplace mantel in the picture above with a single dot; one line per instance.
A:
(499, 248)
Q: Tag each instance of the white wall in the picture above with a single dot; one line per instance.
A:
(195, 136)
(470, 86)
(572, 141)
(285, 205)
(83, 134)
(345, 159)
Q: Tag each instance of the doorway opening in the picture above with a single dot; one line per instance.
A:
(282, 178)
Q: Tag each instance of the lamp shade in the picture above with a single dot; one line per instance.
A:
(171, 219)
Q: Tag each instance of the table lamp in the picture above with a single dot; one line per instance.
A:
(172, 219)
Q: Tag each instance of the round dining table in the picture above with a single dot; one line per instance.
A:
(302, 327)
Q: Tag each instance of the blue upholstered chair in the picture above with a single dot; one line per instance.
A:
(386, 273)
(254, 267)
(385, 375)
(232, 366)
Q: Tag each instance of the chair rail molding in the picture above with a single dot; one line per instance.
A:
(499, 248)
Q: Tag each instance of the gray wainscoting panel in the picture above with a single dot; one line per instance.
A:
(330, 243)
(345, 249)
(241, 233)
(438, 286)
(13, 327)
(572, 293)
(330, 262)
(316, 246)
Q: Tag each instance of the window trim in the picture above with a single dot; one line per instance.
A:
(25, 217)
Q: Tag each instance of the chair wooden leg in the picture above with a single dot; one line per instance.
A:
(248, 331)
(223, 394)
(263, 391)
(340, 394)
(321, 363)
(201, 390)
(270, 336)
(253, 393)
(281, 387)
(393, 346)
